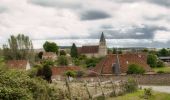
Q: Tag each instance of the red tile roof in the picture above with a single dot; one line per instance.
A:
(105, 66)
(17, 64)
(88, 49)
(61, 70)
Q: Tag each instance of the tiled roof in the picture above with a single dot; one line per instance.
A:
(17, 64)
(88, 49)
(105, 66)
(61, 70)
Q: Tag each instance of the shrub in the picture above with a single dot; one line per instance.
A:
(17, 85)
(147, 93)
(131, 85)
(62, 60)
(62, 52)
(152, 60)
(70, 73)
(135, 69)
(160, 72)
(160, 64)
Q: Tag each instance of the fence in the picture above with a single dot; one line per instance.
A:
(93, 90)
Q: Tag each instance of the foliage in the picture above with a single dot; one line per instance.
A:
(20, 47)
(147, 93)
(70, 73)
(91, 62)
(17, 85)
(162, 69)
(160, 72)
(50, 47)
(47, 72)
(160, 64)
(40, 55)
(115, 50)
(74, 52)
(131, 85)
(62, 60)
(135, 69)
(48, 62)
(163, 52)
(62, 52)
(152, 60)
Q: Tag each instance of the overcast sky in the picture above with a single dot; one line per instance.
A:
(125, 23)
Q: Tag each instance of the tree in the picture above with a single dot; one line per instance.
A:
(163, 52)
(152, 60)
(50, 47)
(160, 64)
(114, 51)
(19, 48)
(47, 72)
(40, 55)
(74, 52)
(135, 69)
(62, 52)
(62, 60)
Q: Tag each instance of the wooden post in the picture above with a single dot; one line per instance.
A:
(99, 82)
(68, 87)
(88, 92)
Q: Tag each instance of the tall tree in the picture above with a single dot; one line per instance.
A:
(74, 52)
(152, 60)
(163, 52)
(50, 47)
(19, 48)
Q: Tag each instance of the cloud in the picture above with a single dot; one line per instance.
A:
(94, 15)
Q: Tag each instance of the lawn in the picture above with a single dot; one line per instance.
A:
(164, 69)
(137, 96)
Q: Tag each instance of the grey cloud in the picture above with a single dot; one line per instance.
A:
(165, 3)
(94, 15)
(112, 33)
(2, 9)
(57, 3)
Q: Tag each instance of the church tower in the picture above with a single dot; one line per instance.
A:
(102, 46)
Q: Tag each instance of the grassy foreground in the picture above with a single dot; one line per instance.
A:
(137, 96)
(164, 69)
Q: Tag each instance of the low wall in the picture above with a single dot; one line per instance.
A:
(154, 79)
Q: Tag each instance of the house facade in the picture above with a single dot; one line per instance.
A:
(95, 50)
(18, 64)
(49, 56)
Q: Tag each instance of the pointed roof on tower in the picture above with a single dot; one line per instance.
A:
(102, 38)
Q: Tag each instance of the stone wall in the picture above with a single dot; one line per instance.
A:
(154, 79)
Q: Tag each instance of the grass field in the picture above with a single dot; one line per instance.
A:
(137, 96)
(164, 69)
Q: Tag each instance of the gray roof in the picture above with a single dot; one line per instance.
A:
(102, 38)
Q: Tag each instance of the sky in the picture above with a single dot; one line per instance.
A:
(125, 23)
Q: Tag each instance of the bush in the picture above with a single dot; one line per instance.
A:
(135, 69)
(152, 60)
(17, 85)
(62, 52)
(160, 72)
(70, 73)
(131, 85)
(160, 64)
(147, 93)
(62, 60)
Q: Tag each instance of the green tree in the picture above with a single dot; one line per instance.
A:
(135, 69)
(163, 52)
(152, 60)
(19, 48)
(74, 52)
(114, 51)
(40, 55)
(50, 47)
(62, 61)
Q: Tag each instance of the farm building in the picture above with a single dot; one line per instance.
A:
(118, 64)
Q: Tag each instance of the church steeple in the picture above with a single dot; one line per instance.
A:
(102, 38)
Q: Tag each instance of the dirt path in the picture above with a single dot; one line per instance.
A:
(165, 89)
